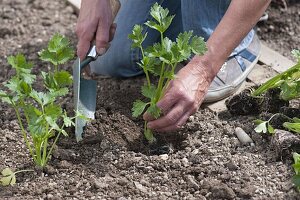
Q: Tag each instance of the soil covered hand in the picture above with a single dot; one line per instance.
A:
(182, 98)
(95, 22)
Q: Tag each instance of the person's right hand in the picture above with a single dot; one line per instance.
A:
(95, 22)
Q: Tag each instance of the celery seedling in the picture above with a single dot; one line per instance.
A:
(44, 118)
(9, 177)
(161, 60)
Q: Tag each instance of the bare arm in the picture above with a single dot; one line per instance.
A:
(240, 17)
(187, 91)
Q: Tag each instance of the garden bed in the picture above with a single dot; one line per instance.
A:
(204, 160)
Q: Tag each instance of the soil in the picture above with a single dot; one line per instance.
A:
(203, 160)
(281, 30)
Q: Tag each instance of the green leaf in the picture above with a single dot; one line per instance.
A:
(292, 126)
(37, 128)
(270, 128)
(154, 26)
(138, 108)
(154, 111)
(49, 80)
(43, 98)
(68, 121)
(258, 121)
(58, 93)
(183, 44)
(296, 180)
(52, 123)
(161, 16)
(58, 51)
(296, 120)
(8, 178)
(296, 157)
(262, 127)
(198, 45)
(63, 78)
(13, 84)
(149, 92)
(289, 90)
(53, 110)
(296, 54)
(137, 36)
(19, 62)
(81, 116)
(25, 88)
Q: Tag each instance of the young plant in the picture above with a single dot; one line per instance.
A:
(40, 117)
(160, 60)
(289, 84)
(264, 126)
(9, 177)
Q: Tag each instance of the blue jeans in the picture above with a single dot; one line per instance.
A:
(201, 16)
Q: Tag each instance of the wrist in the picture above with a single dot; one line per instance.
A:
(204, 67)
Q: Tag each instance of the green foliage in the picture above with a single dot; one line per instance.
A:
(296, 166)
(160, 60)
(44, 118)
(8, 177)
(263, 126)
(288, 81)
(58, 50)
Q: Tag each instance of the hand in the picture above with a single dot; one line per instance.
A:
(182, 98)
(95, 22)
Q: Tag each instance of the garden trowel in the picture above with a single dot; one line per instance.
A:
(85, 90)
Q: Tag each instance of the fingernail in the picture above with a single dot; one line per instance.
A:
(101, 51)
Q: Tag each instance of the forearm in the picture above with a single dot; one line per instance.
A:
(240, 17)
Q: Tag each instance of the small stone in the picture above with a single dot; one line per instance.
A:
(185, 162)
(49, 170)
(192, 183)
(164, 156)
(98, 184)
(231, 166)
(64, 164)
(49, 196)
(195, 151)
(242, 136)
(140, 187)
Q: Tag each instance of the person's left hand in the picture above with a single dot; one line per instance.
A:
(182, 98)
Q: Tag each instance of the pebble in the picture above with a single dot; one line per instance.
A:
(192, 183)
(140, 187)
(164, 156)
(242, 136)
(100, 184)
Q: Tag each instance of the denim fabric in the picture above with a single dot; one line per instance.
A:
(201, 16)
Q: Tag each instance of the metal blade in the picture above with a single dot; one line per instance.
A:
(85, 94)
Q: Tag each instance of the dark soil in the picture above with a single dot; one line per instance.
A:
(281, 30)
(204, 160)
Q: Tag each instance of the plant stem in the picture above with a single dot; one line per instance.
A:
(45, 145)
(160, 82)
(51, 149)
(24, 170)
(145, 68)
(24, 132)
(274, 81)
(38, 147)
